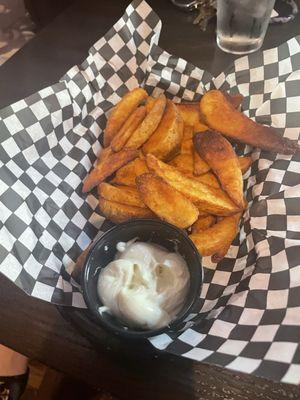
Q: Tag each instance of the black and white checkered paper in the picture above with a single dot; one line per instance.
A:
(248, 314)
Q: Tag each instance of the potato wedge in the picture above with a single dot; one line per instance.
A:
(120, 194)
(200, 127)
(125, 175)
(200, 166)
(117, 212)
(133, 121)
(166, 202)
(149, 103)
(244, 163)
(187, 140)
(203, 223)
(216, 240)
(207, 198)
(165, 142)
(189, 113)
(220, 156)
(140, 167)
(184, 163)
(106, 167)
(208, 179)
(149, 124)
(121, 112)
(219, 114)
(235, 99)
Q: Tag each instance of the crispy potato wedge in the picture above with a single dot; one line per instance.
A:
(203, 223)
(244, 163)
(216, 240)
(106, 167)
(207, 198)
(165, 142)
(189, 113)
(120, 194)
(219, 114)
(117, 212)
(165, 201)
(200, 166)
(125, 175)
(235, 99)
(200, 127)
(133, 121)
(184, 163)
(149, 103)
(121, 112)
(188, 133)
(222, 159)
(149, 124)
(208, 179)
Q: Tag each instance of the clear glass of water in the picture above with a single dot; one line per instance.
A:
(242, 24)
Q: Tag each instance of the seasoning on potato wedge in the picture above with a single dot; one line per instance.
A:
(120, 194)
(117, 212)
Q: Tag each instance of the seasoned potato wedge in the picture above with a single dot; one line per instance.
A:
(106, 167)
(222, 159)
(200, 166)
(208, 179)
(125, 175)
(117, 212)
(203, 223)
(121, 112)
(216, 240)
(244, 163)
(184, 163)
(120, 194)
(165, 201)
(165, 142)
(133, 121)
(189, 113)
(149, 103)
(207, 198)
(140, 167)
(149, 124)
(219, 114)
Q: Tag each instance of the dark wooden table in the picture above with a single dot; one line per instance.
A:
(37, 329)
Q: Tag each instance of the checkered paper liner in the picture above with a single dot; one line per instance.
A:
(248, 314)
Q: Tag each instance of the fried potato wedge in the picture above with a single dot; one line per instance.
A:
(126, 175)
(133, 121)
(222, 159)
(184, 163)
(121, 112)
(188, 133)
(149, 103)
(166, 202)
(209, 179)
(207, 198)
(165, 142)
(235, 99)
(203, 223)
(200, 166)
(189, 113)
(108, 166)
(216, 240)
(117, 212)
(120, 194)
(149, 124)
(244, 163)
(200, 127)
(219, 114)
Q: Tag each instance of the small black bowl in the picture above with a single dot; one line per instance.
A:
(103, 252)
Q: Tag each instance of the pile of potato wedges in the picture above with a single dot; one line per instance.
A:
(175, 162)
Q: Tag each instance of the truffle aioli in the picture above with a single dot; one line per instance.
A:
(145, 286)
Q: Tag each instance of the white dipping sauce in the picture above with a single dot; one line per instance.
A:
(145, 286)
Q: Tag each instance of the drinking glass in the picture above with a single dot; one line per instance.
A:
(242, 24)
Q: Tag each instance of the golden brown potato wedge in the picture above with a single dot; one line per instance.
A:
(219, 114)
(216, 240)
(149, 103)
(120, 194)
(235, 99)
(117, 212)
(200, 166)
(208, 179)
(133, 121)
(140, 167)
(108, 166)
(200, 127)
(207, 198)
(222, 159)
(245, 163)
(125, 175)
(149, 124)
(165, 142)
(121, 112)
(189, 113)
(184, 163)
(166, 202)
(203, 223)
